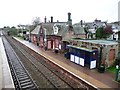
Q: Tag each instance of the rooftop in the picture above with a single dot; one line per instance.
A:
(81, 48)
(101, 42)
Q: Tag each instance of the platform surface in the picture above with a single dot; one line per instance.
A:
(6, 80)
(94, 78)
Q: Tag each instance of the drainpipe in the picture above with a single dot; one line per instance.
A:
(101, 47)
(45, 40)
(101, 68)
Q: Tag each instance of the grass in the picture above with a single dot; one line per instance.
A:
(111, 70)
(21, 38)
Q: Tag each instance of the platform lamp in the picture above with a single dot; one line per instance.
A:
(116, 72)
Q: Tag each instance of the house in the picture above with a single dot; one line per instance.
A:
(114, 36)
(91, 27)
(79, 31)
(107, 50)
(115, 29)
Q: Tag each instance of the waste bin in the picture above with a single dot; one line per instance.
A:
(45, 48)
(67, 55)
(37, 44)
(56, 50)
(101, 69)
(29, 40)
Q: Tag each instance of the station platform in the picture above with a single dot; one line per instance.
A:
(6, 81)
(93, 77)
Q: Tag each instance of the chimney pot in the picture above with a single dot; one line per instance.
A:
(51, 19)
(45, 19)
(69, 16)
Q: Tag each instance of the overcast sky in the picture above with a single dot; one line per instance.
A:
(14, 12)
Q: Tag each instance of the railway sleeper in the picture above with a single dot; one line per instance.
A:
(17, 72)
(24, 75)
(24, 78)
(26, 83)
(27, 80)
(21, 71)
(29, 87)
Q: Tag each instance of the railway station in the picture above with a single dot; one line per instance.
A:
(60, 48)
(58, 55)
(80, 67)
(82, 70)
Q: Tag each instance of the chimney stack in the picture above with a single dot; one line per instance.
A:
(51, 19)
(69, 16)
(81, 22)
(45, 19)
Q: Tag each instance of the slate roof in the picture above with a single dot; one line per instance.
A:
(78, 30)
(36, 30)
(48, 27)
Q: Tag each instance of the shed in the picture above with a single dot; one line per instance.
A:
(108, 48)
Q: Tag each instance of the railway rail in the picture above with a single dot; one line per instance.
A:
(44, 72)
(21, 77)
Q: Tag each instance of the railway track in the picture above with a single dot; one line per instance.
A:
(21, 77)
(50, 75)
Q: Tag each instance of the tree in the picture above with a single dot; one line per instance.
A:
(99, 32)
(4, 27)
(104, 32)
(13, 31)
(107, 31)
(36, 21)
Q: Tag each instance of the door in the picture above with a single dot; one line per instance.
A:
(111, 55)
(49, 45)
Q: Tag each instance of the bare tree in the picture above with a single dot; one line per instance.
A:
(36, 21)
